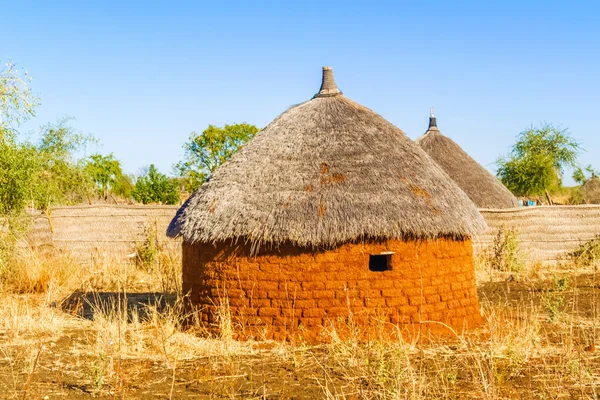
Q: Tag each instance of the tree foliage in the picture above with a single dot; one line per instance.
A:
(19, 171)
(105, 171)
(155, 187)
(204, 152)
(538, 160)
(579, 175)
(17, 101)
(63, 179)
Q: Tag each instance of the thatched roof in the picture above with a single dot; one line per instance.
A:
(591, 190)
(325, 172)
(478, 183)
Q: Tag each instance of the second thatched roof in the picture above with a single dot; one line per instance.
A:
(326, 172)
(483, 188)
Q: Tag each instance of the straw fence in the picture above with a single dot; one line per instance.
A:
(88, 231)
(544, 233)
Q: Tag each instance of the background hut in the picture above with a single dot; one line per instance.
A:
(329, 212)
(590, 191)
(483, 188)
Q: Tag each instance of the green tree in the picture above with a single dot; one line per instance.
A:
(204, 152)
(19, 172)
(124, 186)
(17, 101)
(538, 160)
(105, 171)
(579, 175)
(154, 187)
(63, 178)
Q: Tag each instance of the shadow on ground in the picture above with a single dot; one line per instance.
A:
(138, 305)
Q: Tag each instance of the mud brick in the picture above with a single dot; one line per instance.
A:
(324, 294)
(375, 302)
(433, 299)
(392, 293)
(269, 312)
(396, 301)
(306, 304)
(311, 321)
(429, 290)
(313, 285)
(408, 310)
(416, 300)
(313, 313)
(337, 311)
(445, 290)
(291, 313)
(335, 285)
(382, 284)
(413, 292)
(328, 303)
(400, 319)
(259, 303)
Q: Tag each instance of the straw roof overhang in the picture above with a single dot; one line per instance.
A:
(326, 172)
(483, 188)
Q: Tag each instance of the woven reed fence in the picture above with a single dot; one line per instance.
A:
(545, 233)
(86, 231)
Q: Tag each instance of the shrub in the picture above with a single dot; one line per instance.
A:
(504, 254)
(586, 254)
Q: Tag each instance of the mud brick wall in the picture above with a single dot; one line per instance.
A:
(287, 292)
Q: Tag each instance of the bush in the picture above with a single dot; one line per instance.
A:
(504, 254)
(586, 254)
(154, 187)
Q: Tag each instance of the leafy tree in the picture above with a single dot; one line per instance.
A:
(579, 175)
(19, 171)
(63, 178)
(105, 171)
(206, 151)
(124, 186)
(17, 101)
(538, 159)
(154, 187)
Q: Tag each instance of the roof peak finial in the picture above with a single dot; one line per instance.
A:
(432, 119)
(328, 86)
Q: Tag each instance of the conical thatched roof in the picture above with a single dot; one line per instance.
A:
(325, 172)
(591, 190)
(478, 183)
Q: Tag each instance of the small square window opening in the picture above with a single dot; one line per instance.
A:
(380, 262)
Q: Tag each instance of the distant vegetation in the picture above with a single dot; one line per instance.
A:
(538, 160)
(204, 152)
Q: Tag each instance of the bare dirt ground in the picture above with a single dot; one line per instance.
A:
(538, 343)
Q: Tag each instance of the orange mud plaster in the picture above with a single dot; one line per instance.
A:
(289, 292)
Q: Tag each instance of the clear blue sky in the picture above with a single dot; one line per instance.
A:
(142, 76)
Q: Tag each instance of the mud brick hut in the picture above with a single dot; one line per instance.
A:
(483, 188)
(330, 216)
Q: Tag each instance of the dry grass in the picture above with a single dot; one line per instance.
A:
(536, 343)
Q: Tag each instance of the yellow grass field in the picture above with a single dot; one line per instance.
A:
(115, 330)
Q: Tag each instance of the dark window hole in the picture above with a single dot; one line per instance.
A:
(380, 262)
